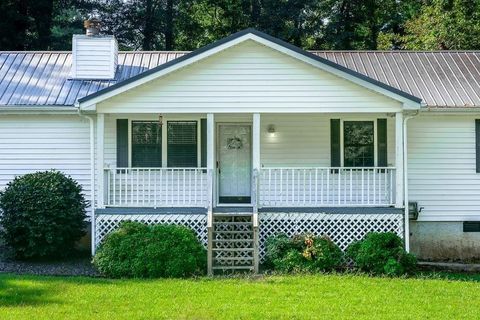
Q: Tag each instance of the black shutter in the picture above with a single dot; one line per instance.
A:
(477, 143)
(182, 144)
(382, 151)
(335, 142)
(203, 141)
(122, 143)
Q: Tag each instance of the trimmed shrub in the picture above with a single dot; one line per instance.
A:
(382, 253)
(43, 215)
(136, 250)
(302, 253)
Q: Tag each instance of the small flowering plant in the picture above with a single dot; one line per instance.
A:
(303, 253)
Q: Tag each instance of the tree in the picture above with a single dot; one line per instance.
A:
(444, 24)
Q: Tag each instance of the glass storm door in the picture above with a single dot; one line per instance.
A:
(234, 163)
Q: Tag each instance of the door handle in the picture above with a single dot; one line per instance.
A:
(218, 167)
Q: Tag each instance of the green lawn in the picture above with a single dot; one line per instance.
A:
(288, 297)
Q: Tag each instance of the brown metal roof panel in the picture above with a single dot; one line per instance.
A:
(393, 75)
(458, 80)
(435, 83)
(420, 78)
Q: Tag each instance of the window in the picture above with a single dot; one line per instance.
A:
(182, 143)
(358, 144)
(146, 144)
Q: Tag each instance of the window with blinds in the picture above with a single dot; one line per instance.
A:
(358, 141)
(146, 144)
(182, 143)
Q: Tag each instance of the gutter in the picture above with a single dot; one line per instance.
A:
(92, 176)
(18, 109)
(405, 182)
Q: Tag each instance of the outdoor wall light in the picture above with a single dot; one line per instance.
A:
(271, 130)
(160, 119)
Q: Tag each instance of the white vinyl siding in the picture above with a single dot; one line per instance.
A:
(304, 140)
(441, 167)
(249, 77)
(300, 140)
(30, 143)
(94, 57)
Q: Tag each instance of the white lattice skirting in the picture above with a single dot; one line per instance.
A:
(106, 223)
(343, 229)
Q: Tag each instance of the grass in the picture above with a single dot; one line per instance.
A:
(272, 297)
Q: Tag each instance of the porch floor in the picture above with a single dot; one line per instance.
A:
(233, 209)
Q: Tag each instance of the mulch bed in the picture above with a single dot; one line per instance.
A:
(79, 265)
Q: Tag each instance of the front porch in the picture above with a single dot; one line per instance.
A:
(251, 175)
(266, 160)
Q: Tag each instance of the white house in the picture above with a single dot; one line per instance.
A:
(251, 136)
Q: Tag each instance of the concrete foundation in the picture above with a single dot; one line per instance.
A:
(444, 241)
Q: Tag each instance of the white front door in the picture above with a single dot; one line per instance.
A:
(234, 163)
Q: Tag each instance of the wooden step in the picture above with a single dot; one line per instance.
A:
(233, 268)
(232, 240)
(232, 249)
(232, 214)
(232, 232)
(232, 223)
(234, 259)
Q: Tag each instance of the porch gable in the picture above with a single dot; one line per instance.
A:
(250, 73)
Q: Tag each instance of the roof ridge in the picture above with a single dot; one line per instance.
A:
(396, 51)
(186, 51)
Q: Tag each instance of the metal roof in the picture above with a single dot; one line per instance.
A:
(440, 79)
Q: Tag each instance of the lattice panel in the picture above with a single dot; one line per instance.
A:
(343, 229)
(106, 223)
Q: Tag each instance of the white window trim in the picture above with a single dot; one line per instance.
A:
(375, 143)
(165, 119)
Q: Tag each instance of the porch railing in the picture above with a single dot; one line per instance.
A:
(157, 187)
(326, 186)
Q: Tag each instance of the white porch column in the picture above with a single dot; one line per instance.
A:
(210, 157)
(399, 160)
(256, 138)
(100, 161)
(256, 141)
(256, 150)
(210, 193)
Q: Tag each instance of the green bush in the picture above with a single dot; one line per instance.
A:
(141, 251)
(43, 215)
(302, 253)
(382, 253)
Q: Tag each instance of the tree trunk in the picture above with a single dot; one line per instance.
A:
(169, 39)
(42, 11)
(148, 29)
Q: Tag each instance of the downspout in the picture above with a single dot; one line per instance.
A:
(405, 182)
(92, 177)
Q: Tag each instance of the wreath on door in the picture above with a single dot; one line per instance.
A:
(234, 143)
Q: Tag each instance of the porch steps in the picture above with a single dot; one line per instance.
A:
(232, 242)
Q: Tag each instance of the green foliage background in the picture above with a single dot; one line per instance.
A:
(189, 24)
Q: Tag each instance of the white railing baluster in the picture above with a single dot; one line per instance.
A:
(184, 191)
(155, 194)
(114, 188)
(300, 186)
(307, 186)
(328, 186)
